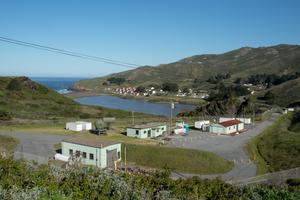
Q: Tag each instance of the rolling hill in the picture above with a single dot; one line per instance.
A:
(22, 98)
(280, 59)
(286, 94)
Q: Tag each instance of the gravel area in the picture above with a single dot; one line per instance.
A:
(229, 147)
(34, 146)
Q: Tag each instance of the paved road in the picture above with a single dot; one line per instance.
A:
(34, 146)
(229, 147)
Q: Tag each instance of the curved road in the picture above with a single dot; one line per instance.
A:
(34, 146)
(39, 147)
(229, 147)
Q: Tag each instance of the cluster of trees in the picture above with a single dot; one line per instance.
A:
(169, 87)
(218, 78)
(222, 92)
(268, 79)
(269, 97)
(20, 181)
(116, 80)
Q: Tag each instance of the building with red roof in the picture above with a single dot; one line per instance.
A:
(227, 127)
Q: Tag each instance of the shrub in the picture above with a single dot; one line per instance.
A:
(5, 116)
(14, 85)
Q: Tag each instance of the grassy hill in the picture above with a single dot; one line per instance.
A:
(277, 148)
(286, 93)
(22, 98)
(242, 62)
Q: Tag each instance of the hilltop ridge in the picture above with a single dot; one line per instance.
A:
(242, 62)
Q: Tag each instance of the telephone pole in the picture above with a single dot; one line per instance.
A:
(172, 107)
(132, 116)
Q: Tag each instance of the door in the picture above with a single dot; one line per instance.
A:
(149, 133)
(111, 157)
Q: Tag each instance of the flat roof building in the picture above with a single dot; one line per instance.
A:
(150, 130)
(100, 153)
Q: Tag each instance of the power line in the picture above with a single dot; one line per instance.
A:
(68, 53)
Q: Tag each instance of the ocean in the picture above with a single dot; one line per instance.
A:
(61, 85)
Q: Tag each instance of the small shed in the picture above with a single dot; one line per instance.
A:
(79, 126)
(227, 127)
(103, 154)
(150, 130)
(199, 124)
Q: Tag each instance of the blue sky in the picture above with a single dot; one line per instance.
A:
(143, 32)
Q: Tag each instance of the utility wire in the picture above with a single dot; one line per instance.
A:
(69, 53)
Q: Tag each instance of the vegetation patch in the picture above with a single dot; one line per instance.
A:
(177, 159)
(277, 148)
(7, 144)
(19, 181)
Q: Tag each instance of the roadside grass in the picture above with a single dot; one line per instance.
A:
(177, 159)
(275, 148)
(264, 116)
(8, 144)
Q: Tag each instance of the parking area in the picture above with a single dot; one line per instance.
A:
(229, 147)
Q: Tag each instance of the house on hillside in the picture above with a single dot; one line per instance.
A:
(227, 127)
(150, 130)
(102, 154)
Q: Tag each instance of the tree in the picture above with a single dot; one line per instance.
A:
(169, 87)
(140, 89)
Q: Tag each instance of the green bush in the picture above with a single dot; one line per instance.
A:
(5, 116)
(14, 85)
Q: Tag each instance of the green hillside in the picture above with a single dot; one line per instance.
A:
(277, 148)
(287, 93)
(22, 98)
(239, 63)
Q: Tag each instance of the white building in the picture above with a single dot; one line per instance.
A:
(244, 120)
(151, 130)
(227, 127)
(79, 126)
(102, 154)
(199, 124)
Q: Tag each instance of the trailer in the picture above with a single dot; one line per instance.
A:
(199, 124)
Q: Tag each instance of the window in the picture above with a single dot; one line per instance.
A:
(163, 128)
(145, 132)
(91, 156)
(70, 152)
(157, 130)
(77, 153)
(84, 154)
(137, 132)
(119, 154)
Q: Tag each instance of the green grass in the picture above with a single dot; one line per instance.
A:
(177, 159)
(276, 148)
(7, 144)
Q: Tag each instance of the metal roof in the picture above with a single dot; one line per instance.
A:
(149, 125)
(90, 142)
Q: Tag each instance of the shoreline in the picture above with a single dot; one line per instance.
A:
(152, 99)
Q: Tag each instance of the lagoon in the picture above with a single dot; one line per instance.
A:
(135, 105)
